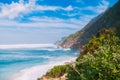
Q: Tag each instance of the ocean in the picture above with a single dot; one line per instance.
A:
(31, 61)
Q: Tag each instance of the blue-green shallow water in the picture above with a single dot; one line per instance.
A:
(12, 61)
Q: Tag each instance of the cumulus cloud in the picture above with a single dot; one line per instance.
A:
(18, 9)
(14, 10)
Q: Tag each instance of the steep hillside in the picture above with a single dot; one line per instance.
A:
(98, 60)
(108, 19)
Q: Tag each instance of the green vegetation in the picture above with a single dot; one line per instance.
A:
(57, 71)
(71, 37)
(101, 59)
(103, 37)
(104, 66)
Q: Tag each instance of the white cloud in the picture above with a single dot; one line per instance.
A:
(8, 13)
(102, 7)
(52, 8)
(11, 11)
(40, 23)
(40, 30)
(47, 22)
(98, 9)
(14, 10)
(63, 23)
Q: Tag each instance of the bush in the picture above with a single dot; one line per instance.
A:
(104, 37)
(105, 65)
(57, 71)
(101, 64)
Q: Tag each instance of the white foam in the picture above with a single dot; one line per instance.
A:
(37, 71)
(54, 49)
(10, 57)
(14, 46)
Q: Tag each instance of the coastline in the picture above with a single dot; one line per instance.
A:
(33, 73)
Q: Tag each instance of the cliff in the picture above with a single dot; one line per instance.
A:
(108, 19)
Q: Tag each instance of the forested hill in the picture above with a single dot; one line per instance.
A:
(109, 19)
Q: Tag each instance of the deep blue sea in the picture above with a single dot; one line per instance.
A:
(30, 61)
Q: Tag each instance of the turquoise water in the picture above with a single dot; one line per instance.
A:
(21, 60)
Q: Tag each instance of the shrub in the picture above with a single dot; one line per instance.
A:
(101, 64)
(57, 71)
(105, 65)
(103, 37)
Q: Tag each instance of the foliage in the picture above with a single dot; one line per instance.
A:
(103, 37)
(104, 64)
(57, 71)
(71, 37)
(100, 60)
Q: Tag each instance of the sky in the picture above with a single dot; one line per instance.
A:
(46, 21)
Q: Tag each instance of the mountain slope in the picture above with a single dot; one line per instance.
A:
(109, 19)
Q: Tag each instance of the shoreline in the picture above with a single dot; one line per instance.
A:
(33, 73)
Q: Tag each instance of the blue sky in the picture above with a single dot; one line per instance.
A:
(45, 21)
